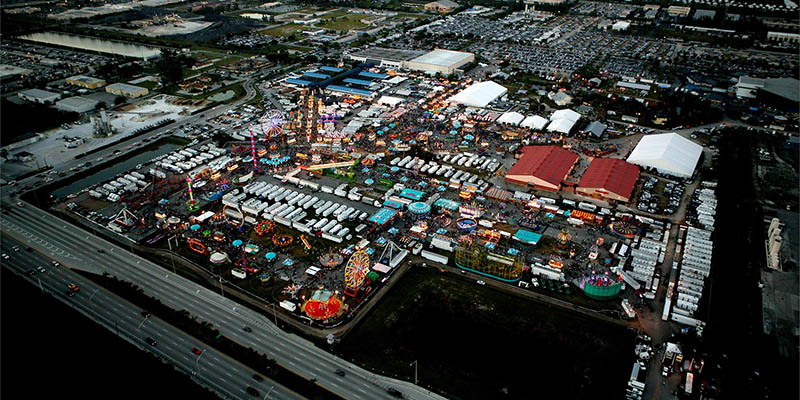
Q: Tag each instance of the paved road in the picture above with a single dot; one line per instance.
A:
(213, 369)
(78, 249)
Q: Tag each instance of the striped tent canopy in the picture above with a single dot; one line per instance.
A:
(499, 194)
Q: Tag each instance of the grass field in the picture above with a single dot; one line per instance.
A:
(474, 342)
(285, 30)
(344, 23)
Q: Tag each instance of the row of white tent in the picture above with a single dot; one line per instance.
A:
(561, 121)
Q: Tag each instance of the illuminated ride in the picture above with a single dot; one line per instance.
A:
(263, 227)
(305, 242)
(231, 217)
(282, 240)
(355, 272)
(323, 305)
(624, 229)
(272, 123)
(197, 246)
(330, 260)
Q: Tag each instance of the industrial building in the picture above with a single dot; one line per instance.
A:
(609, 179)
(668, 153)
(39, 96)
(479, 94)
(77, 104)
(440, 60)
(86, 81)
(441, 6)
(384, 57)
(124, 89)
(542, 167)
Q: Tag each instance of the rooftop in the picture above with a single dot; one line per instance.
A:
(549, 163)
(443, 57)
(611, 174)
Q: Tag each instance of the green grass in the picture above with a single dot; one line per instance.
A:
(345, 23)
(285, 30)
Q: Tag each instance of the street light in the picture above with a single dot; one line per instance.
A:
(270, 391)
(197, 362)
(415, 364)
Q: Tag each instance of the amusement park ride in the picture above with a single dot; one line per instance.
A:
(313, 99)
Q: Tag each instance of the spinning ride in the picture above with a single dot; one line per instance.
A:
(272, 123)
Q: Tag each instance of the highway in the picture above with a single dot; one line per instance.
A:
(213, 369)
(76, 248)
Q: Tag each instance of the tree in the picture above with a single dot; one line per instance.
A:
(100, 106)
(170, 67)
(119, 100)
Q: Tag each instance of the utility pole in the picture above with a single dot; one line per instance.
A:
(40, 284)
(220, 286)
(415, 364)
(169, 242)
(270, 391)
(275, 314)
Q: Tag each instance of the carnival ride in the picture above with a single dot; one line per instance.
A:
(305, 242)
(263, 227)
(355, 272)
(282, 239)
(232, 217)
(272, 124)
(473, 255)
(625, 229)
(330, 260)
(600, 286)
(197, 246)
(323, 305)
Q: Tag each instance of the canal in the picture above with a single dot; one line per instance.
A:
(94, 44)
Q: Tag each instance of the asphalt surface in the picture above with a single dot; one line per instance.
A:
(211, 368)
(76, 248)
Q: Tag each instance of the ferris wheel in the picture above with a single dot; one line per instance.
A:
(272, 123)
(355, 272)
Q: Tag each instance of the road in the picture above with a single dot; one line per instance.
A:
(75, 248)
(213, 369)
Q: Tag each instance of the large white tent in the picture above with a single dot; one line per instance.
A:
(669, 153)
(535, 122)
(511, 118)
(479, 94)
(563, 120)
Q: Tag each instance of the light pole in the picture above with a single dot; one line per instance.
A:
(415, 364)
(197, 362)
(270, 391)
(275, 314)
(169, 242)
(220, 286)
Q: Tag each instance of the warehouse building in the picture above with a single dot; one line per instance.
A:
(86, 81)
(384, 57)
(124, 89)
(609, 179)
(440, 60)
(39, 96)
(668, 153)
(441, 6)
(77, 104)
(542, 167)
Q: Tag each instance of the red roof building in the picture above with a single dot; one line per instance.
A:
(543, 167)
(609, 178)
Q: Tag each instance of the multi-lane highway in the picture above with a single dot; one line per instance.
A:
(75, 248)
(215, 370)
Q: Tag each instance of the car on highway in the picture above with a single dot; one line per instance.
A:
(20, 204)
(340, 372)
(56, 264)
(197, 351)
(145, 314)
(252, 391)
(101, 251)
(258, 377)
(5, 256)
(15, 248)
(69, 293)
(481, 283)
(150, 341)
(41, 269)
(31, 272)
(247, 329)
(394, 392)
(73, 288)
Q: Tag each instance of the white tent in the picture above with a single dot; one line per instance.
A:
(389, 100)
(535, 122)
(511, 118)
(669, 153)
(479, 94)
(563, 120)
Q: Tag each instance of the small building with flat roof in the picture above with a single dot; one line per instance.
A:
(86, 81)
(441, 6)
(77, 104)
(124, 89)
(39, 96)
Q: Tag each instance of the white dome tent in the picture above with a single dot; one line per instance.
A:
(668, 153)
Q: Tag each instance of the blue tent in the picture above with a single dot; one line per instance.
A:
(237, 243)
(369, 181)
(270, 256)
